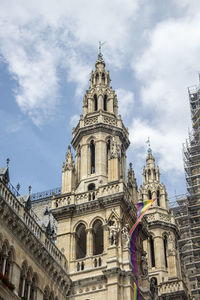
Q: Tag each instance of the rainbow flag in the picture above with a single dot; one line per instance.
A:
(136, 292)
(142, 209)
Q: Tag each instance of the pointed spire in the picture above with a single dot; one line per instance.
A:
(100, 56)
(149, 146)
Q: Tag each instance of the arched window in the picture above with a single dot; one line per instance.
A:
(158, 198)
(22, 281)
(97, 237)
(149, 173)
(105, 102)
(34, 286)
(165, 250)
(80, 241)
(103, 78)
(152, 252)
(95, 102)
(91, 187)
(97, 78)
(9, 261)
(92, 157)
(107, 154)
(149, 195)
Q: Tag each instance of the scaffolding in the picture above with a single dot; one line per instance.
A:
(187, 211)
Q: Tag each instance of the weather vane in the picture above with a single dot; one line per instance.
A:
(100, 55)
(149, 146)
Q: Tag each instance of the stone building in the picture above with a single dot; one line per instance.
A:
(90, 216)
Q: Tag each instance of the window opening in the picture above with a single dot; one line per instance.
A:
(158, 198)
(150, 195)
(152, 252)
(92, 158)
(95, 103)
(97, 238)
(165, 250)
(105, 102)
(80, 241)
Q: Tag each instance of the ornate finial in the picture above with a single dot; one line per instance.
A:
(7, 161)
(30, 189)
(149, 146)
(100, 55)
(18, 187)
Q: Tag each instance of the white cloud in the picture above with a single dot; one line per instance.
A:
(38, 38)
(125, 102)
(168, 65)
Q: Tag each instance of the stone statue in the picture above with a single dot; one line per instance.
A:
(69, 164)
(113, 232)
(125, 237)
(144, 264)
(115, 149)
(154, 288)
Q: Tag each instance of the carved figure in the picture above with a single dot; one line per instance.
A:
(144, 264)
(125, 236)
(113, 232)
(115, 149)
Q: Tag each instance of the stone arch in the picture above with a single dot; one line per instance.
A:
(81, 241)
(78, 223)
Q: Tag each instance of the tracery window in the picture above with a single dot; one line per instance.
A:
(80, 241)
(97, 237)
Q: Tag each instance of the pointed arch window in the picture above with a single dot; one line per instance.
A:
(103, 78)
(107, 154)
(97, 237)
(105, 102)
(149, 195)
(95, 103)
(92, 157)
(149, 173)
(152, 252)
(80, 241)
(158, 197)
(97, 78)
(165, 250)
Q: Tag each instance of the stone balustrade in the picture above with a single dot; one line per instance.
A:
(29, 219)
(99, 117)
(171, 287)
(80, 198)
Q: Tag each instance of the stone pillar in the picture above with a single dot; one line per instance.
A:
(100, 102)
(4, 265)
(101, 158)
(29, 291)
(113, 170)
(84, 162)
(159, 252)
(89, 242)
(23, 287)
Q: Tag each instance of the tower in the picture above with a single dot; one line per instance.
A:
(161, 247)
(96, 208)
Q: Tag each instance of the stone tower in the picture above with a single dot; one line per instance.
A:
(96, 208)
(161, 247)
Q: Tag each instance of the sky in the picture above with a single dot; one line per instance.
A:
(47, 51)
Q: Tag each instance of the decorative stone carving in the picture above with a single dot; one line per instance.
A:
(125, 237)
(69, 164)
(113, 232)
(144, 264)
(115, 149)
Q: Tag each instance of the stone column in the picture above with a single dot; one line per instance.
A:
(84, 162)
(159, 252)
(29, 291)
(100, 102)
(4, 265)
(89, 242)
(101, 158)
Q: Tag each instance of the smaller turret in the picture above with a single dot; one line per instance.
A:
(68, 173)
